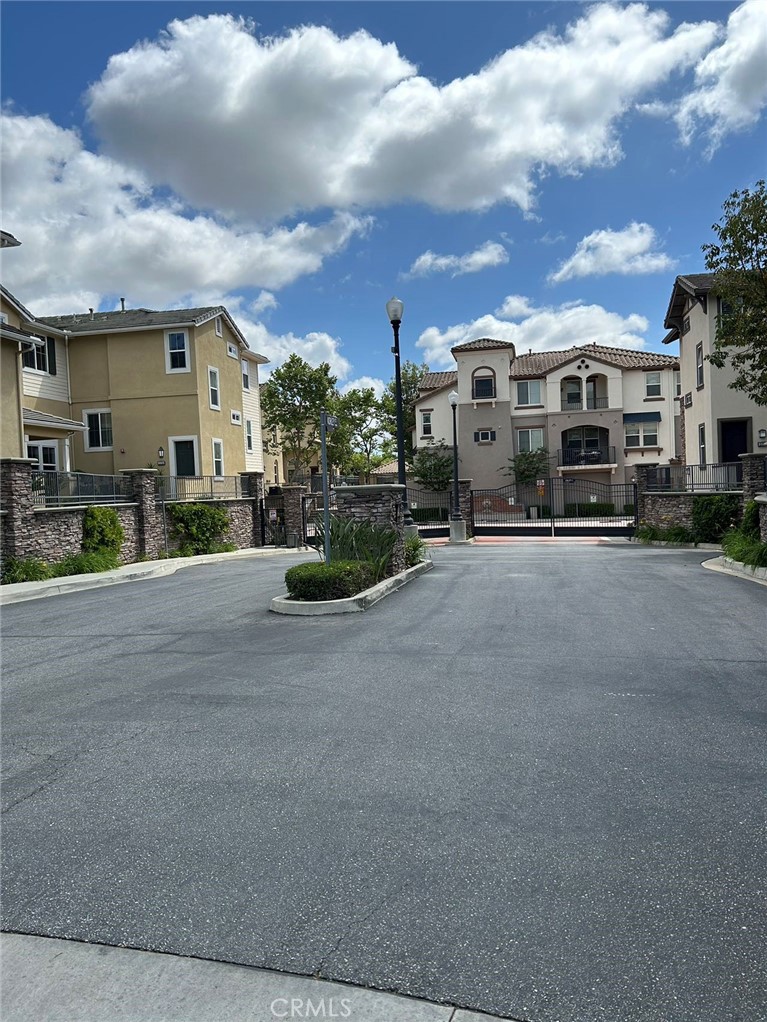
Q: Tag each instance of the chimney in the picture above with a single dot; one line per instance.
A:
(91, 312)
(122, 305)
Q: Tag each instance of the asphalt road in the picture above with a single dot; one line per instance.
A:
(531, 783)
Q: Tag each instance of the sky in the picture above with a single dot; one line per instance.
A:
(533, 172)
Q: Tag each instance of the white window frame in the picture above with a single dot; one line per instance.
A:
(213, 441)
(40, 353)
(245, 365)
(677, 383)
(427, 427)
(249, 435)
(172, 452)
(658, 382)
(699, 379)
(231, 350)
(646, 434)
(219, 327)
(235, 417)
(702, 444)
(530, 430)
(187, 368)
(86, 435)
(39, 445)
(216, 406)
(485, 436)
(528, 384)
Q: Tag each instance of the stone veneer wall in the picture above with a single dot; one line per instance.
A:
(380, 505)
(464, 504)
(761, 500)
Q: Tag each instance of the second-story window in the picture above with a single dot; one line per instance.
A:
(483, 384)
(176, 352)
(699, 366)
(529, 392)
(248, 435)
(245, 375)
(652, 384)
(213, 388)
(219, 328)
(426, 424)
(677, 383)
(41, 358)
(701, 444)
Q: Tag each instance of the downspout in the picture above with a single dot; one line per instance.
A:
(20, 389)
(67, 447)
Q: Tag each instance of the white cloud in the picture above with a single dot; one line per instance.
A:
(487, 255)
(93, 228)
(626, 251)
(262, 127)
(264, 303)
(515, 307)
(544, 329)
(731, 81)
(364, 383)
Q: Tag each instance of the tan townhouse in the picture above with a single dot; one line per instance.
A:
(719, 423)
(598, 410)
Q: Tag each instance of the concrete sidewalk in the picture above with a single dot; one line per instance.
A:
(19, 591)
(49, 980)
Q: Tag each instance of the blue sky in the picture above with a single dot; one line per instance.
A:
(537, 172)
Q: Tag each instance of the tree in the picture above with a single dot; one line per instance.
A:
(528, 466)
(291, 400)
(410, 375)
(739, 264)
(368, 443)
(433, 466)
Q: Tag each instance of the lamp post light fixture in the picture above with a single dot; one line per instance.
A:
(394, 309)
(457, 524)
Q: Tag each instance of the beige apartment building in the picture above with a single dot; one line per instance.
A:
(718, 423)
(600, 411)
(176, 389)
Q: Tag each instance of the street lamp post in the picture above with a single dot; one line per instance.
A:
(457, 524)
(394, 308)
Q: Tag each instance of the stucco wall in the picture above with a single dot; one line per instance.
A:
(10, 426)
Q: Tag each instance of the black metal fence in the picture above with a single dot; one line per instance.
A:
(62, 489)
(586, 456)
(170, 488)
(313, 510)
(430, 509)
(692, 478)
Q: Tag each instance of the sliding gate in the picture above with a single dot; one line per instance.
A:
(562, 506)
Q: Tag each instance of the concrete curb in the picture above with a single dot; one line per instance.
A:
(50, 978)
(675, 546)
(352, 604)
(20, 591)
(729, 567)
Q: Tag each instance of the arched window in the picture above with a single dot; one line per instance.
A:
(483, 383)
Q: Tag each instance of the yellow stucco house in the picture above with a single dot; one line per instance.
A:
(174, 389)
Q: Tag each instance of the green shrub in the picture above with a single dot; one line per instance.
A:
(743, 548)
(27, 569)
(595, 510)
(628, 509)
(198, 527)
(86, 563)
(671, 534)
(649, 533)
(415, 550)
(102, 530)
(714, 515)
(429, 514)
(750, 524)
(353, 540)
(334, 581)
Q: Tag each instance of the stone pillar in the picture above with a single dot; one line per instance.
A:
(253, 487)
(640, 475)
(381, 506)
(151, 535)
(464, 504)
(17, 501)
(761, 500)
(293, 497)
(753, 475)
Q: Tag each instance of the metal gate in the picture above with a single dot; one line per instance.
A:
(562, 506)
(273, 520)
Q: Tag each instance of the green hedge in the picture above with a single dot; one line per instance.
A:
(334, 581)
(33, 569)
(714, 515)
(101, 530)
(429, 514)
(742, 548)
(199, 528)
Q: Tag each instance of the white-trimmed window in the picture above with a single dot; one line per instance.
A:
(701, 444)
(641, 434)
(245, 374)
(484, 436)
(235, 417)
(218, 456)
(677, 383)
(426, 427)
(231, 350)
(248, 435)
(98, 436)
(214, 391)
(219, 327)
(699, 367)
(529, 392)
(177, 351)
(40, 358)
(652, 384)
(529, 440)
(483, 384)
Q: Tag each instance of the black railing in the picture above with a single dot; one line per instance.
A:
(585, 457)
(429, 508)
(691, 478)
(60, 489)
(591, 404)
(199, 487)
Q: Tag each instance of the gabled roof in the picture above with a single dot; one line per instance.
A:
(483, 344)
(433, 381)
(695, 285)
(12, 333)
(24, 312)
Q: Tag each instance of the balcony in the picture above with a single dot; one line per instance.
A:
(586, 457)
(591, 404)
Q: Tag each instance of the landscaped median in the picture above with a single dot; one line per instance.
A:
(350, 604)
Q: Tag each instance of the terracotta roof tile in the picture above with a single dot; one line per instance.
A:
(433, 381)
(483, 344)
